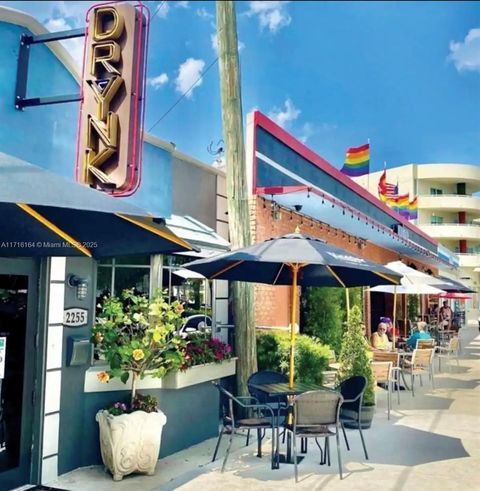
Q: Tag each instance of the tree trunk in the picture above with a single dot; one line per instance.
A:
(237, 193)
(134, 387)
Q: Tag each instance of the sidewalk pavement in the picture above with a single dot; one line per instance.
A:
(432, 440)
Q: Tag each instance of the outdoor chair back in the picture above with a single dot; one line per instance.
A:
(421, 362)
(316, 414)
(453, 349)
(425, 343)
(256, 416)
(352, 391)
(382, 373)
(383, 356)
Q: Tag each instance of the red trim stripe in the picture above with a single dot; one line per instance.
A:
(259, 119)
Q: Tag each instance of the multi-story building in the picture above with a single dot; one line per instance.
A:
(448, 209)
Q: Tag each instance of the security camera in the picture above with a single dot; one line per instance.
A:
(298, 207)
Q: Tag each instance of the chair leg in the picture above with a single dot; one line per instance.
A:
(228, 449)
(259, 443)
(295, 456)
(339, 455)
(248, 438)
(389, 397)
(413, 381)
(345, 436)
(218, 443)
(363, 440)
(274, 464)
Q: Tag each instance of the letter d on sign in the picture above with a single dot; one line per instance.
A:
(107, 24)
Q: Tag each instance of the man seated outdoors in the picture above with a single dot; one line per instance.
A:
(379, 338)
(420, 333)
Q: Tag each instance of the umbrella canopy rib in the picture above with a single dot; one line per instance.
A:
(335, 275)
(51, 226)
(226, 268)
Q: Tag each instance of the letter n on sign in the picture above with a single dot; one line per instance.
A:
(110, 133)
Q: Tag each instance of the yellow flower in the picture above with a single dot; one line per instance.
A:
(98, 337)
(157, 336)
(103, 377)
(179, 308)
(138, 354)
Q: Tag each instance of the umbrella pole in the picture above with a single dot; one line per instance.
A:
(394, 313)
(347, 298)
(295, 268)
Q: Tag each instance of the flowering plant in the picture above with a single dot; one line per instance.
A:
(136, 336)
(201, 348)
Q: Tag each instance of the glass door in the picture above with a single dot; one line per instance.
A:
(18, 306)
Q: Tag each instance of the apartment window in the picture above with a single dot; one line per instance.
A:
(436, 220)
(435, 191)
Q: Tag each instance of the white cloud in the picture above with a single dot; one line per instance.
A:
(188, 72)
(284, 117)
(272, 15)
(307, 131)
(158, 81)
(162, 10)
(214, 41)
(183, 5)
(73, 46)
(466, 55)
(203, 13)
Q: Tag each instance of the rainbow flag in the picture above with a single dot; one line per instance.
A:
(357, 161)
(413, 209)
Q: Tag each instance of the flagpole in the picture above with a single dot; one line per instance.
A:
(368, 175)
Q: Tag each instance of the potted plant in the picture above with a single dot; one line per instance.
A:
(354, 360)
(136, 337)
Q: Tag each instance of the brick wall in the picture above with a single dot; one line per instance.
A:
(272, 303)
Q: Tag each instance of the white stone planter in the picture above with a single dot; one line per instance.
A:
(130, 442)
(199, 374)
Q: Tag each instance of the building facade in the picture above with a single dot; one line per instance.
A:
(448, 210)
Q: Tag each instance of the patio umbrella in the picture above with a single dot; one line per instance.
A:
(455, 296)
(450, 285)
(294, 259)
(43, 214)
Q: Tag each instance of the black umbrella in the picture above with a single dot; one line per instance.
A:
(43, 214)
(453, 286)
(294, 259)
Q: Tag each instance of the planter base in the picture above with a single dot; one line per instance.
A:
(365, 420)
(130, 442)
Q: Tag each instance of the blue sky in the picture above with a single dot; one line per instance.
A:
(406, 75)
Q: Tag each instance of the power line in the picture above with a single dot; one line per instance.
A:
(184, 94)
(158, 9)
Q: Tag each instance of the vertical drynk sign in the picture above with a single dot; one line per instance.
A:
(110, 136)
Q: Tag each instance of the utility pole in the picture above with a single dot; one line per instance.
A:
(237, 191)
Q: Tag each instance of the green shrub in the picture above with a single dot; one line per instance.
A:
(353, 355)
(311, 356)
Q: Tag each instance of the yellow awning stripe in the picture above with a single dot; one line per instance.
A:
(161, 233)
(335, 275)
(51, 226)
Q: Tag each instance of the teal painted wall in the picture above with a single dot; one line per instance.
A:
(46, 135)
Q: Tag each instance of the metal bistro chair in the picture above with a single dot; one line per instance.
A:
(278, 404)
(421, 362)
(396, 370)
(352, 391)
(256, 422)
(382, 373)
(453, 349)
(425, 343)
(316, 414)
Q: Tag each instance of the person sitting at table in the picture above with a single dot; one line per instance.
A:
(420, 333)
(391, 331)
(446, 316)
(379, 338)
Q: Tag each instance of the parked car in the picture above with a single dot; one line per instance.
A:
(196, 323)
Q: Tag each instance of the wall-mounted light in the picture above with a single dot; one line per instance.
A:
(298, 208)
(81, 284)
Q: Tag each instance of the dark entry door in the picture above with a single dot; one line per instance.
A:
(18, 322)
